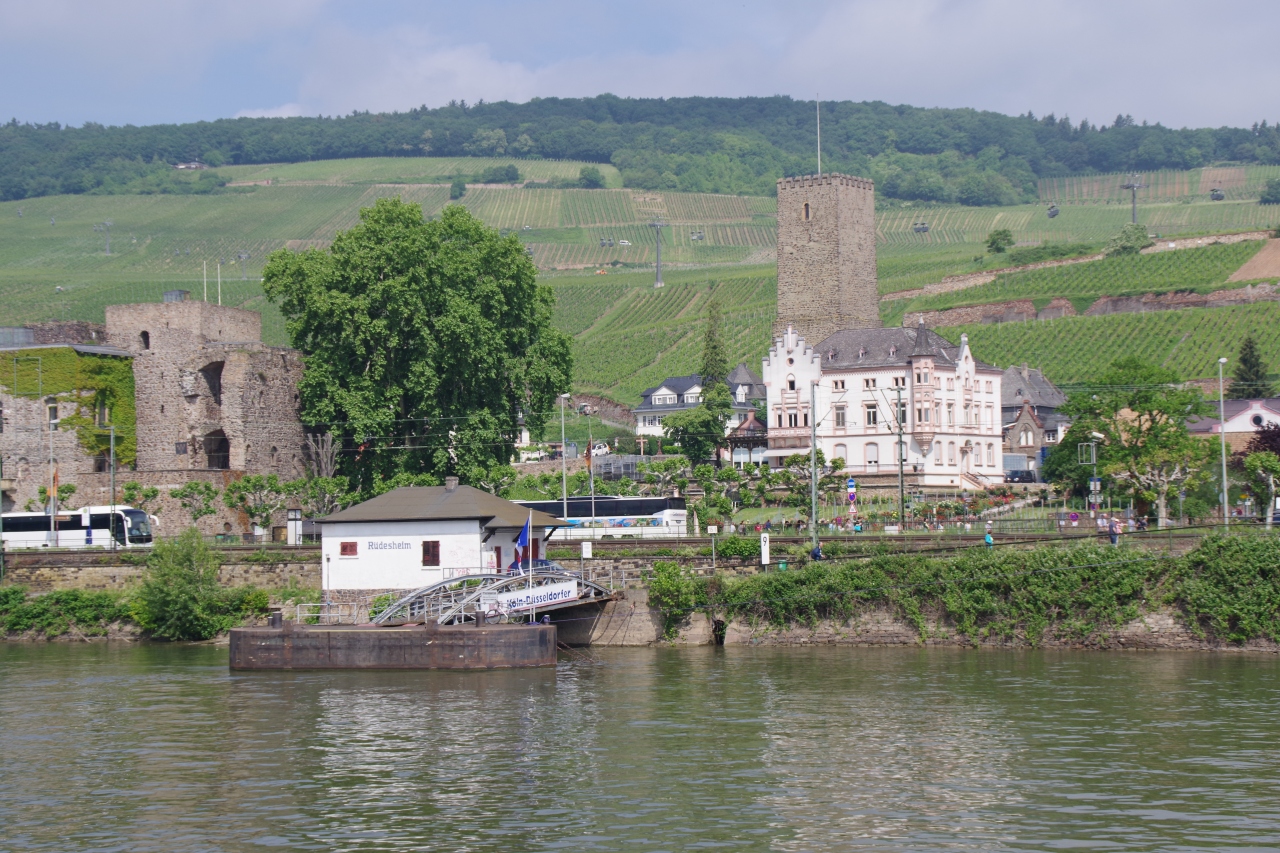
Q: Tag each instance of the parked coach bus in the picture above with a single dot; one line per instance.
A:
(647, 518)
(87, 527)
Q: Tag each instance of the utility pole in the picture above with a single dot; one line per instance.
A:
(112, 462)
(1222, 432)
(206, 281)
(657, 226)
(219, 281)
(900, 452)
(591, 472)
(813, 462)
(1134, 185)
(564, 465)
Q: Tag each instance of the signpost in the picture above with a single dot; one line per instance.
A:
(764, 549)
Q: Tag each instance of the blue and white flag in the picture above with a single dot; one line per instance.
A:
(522, 541)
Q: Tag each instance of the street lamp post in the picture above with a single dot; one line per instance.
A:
(1222, 433)
(564, 465)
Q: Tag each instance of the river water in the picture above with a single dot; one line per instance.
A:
(159, 748)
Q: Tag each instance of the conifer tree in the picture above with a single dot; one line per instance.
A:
(1249, 379)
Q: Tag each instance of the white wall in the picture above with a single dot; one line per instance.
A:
(397, 564)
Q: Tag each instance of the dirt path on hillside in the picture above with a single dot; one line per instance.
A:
(1265, 264)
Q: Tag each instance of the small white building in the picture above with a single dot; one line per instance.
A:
(418, 535)
(871, 381)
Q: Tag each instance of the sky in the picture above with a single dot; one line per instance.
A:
(1178, 62)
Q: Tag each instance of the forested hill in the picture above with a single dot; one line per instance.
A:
(725, 145)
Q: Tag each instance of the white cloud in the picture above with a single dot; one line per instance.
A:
(1161, 60)
(282, 111)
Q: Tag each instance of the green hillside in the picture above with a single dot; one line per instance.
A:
(627, 335)
(1199, 270)
(1077, 349)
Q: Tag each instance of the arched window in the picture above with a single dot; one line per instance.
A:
(144, 338)
(217, 452)
(872, 454)
(991, 455)
(842, 452)
(806, 211)
(951, 453)
(791, 383)
(1025, 438)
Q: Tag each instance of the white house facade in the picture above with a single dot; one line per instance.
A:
(681, 393)
(869, 385)
(416, 536)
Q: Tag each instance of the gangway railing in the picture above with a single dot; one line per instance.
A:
(494, 596)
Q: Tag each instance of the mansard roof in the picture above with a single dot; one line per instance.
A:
(895, 347)
(743, 375)
(675, 384)
(1028, 385)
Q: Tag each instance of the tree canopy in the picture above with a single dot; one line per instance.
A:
(1250, 379)
(735, 145)
(425, 342)
(1141, 410)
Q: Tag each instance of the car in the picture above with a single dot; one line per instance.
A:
(1019, 476)
(624, 242)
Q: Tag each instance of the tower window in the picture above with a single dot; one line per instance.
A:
(144, 338)
(806, 211)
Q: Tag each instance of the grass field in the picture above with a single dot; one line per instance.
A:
(1197, 270)
(1236, 182)
(409, 170)
(1077, 349)
(627, 335)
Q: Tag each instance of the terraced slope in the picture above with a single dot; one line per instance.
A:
(1077, 349)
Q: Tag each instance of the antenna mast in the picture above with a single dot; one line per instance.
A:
(817, 104)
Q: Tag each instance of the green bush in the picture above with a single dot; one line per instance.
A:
(1131, 239)
(1230, 587)
(180, 598)
(55, 613)
(738, 546)
(675, 592)
(1271, 195)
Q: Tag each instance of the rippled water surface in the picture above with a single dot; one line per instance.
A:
(140, 748)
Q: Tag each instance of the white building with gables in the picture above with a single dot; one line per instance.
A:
(872, 384)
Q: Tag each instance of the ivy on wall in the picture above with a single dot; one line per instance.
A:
(93, 382)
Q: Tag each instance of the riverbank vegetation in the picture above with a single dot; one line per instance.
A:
(1226, 589)
(179, 598)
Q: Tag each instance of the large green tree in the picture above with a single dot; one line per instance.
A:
(425, 341)
(1142, 410)
(1250, 379)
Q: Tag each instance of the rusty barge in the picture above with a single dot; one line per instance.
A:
(409, 646)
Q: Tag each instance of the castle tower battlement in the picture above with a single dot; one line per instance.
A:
(826, 256)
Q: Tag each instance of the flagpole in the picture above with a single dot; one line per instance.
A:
(528, 550)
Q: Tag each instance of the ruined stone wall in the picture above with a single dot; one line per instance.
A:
(25, 448)
(68, 332)
(827, 261)
(203, 378)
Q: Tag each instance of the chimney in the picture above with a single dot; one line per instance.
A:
(450, 484)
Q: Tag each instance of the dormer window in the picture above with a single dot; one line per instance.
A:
(893, 350)
(862, 352)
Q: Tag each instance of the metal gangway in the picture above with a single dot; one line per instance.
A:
(498, 597)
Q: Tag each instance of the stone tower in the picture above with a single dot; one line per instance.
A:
(826, 256)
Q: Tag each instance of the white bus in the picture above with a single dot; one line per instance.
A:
(87, 527)
(616, 517)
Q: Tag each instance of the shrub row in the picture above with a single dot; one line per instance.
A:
(1227, 587)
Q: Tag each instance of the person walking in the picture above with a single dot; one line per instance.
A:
(989, 540)
(1113, 530)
